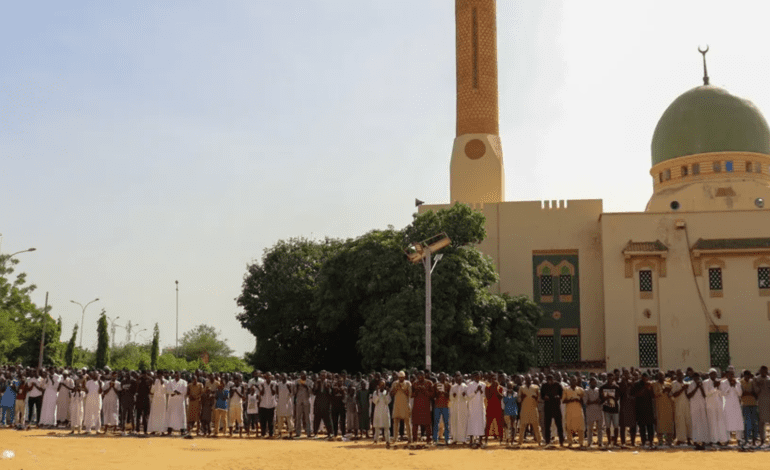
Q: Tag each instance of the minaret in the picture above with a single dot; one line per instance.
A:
(476, 170)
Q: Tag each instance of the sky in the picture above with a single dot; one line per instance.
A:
(143, 142)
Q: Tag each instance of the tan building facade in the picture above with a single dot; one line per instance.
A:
(684, 283)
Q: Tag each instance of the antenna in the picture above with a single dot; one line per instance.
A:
(705, 72)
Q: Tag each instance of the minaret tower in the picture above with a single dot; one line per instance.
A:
(476, 170)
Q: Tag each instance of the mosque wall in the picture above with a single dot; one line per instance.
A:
(662, 306)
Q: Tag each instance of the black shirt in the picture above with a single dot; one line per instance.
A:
(609, 395)
(551, 394)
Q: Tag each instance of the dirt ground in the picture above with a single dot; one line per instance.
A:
(52, 450)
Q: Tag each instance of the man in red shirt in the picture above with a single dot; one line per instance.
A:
(441, 407)
(422, 392)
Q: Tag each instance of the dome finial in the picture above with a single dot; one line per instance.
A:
(705, 72)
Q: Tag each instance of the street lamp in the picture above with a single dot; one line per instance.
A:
(5, 260)
(112, 328)
(83, 317)
(421, 252)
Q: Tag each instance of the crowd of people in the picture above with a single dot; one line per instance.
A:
(608, 409)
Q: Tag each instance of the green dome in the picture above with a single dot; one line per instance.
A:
(709, 119)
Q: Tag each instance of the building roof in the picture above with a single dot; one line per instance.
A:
(645, 247)
(731, 244)
(709, 119)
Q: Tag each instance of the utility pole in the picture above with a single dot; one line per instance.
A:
(42, 336)
(176, 348)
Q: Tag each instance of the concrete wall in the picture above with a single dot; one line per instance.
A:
(676, 312)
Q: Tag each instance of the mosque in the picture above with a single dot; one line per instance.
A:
(684, 283)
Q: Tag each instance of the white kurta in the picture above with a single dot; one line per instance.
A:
(77, 399)
(110, 404)
(50, 396)
(381, 399)
(157, 421)
(715, 412)
(458, 412)
(733, 413)
(176, 414)
(476, 408)
(63, 402)
(700, 423)
(92, 407)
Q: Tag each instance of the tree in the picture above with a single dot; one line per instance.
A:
(155, 347)
(203, 339)
(69, 355)
(362, 305)
(21, 321)
(277, 301)
(103, 341)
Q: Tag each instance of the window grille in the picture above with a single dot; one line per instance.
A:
(763, 277)
(544, 351)
(570, 348)
(645, 280)
(719, 347)
(648, 350)
(715, 278)
(565, 284)
(546, 285)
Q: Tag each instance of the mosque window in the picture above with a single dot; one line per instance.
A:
(684, 171)
(645, 280)
(719, 347)
(717, 167)
(763, 277)
(546, 285)
(757, 167)
(648, 350)
(667, 174)
(695, 169)
(715, 279)
(729, 165)
(660, 177)
(749, 167)
(544, 351)
(570, 348)
(565, 284)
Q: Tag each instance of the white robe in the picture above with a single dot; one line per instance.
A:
(380, 400)
(110, 405)
(50, 395)
(77, 400)
(733, 412)
(157, 421)
(458, 413)
(476, 408)
(700, 423)
(93, 406)
(176, 414)
(63, 402)
(715, 412)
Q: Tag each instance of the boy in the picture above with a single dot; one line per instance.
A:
(220, 409)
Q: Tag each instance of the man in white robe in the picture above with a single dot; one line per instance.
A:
(458, 410)
(732, 391)
(110, 402)
(700, 424)
(63, 402)
(93, 405)
(77, 402)
(476, 408)
(715, 409)
(176, 413)
(157, 421)
(682, 416)
(48, 411)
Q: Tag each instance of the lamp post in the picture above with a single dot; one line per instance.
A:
(112, 328)
(176, 348)
(5, 260)
(83, 318)
(421, 252)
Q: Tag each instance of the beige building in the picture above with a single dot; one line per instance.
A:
(684, 283)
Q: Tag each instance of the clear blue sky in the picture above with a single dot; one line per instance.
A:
(147, 142)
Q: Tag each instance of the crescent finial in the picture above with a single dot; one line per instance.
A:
(705, 71)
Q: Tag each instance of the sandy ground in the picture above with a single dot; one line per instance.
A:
(51, 450)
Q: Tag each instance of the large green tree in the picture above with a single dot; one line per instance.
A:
(203, 340)
(369, 300)
(22, 322)
(277, 300)
(69, 354)
(103, 341)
